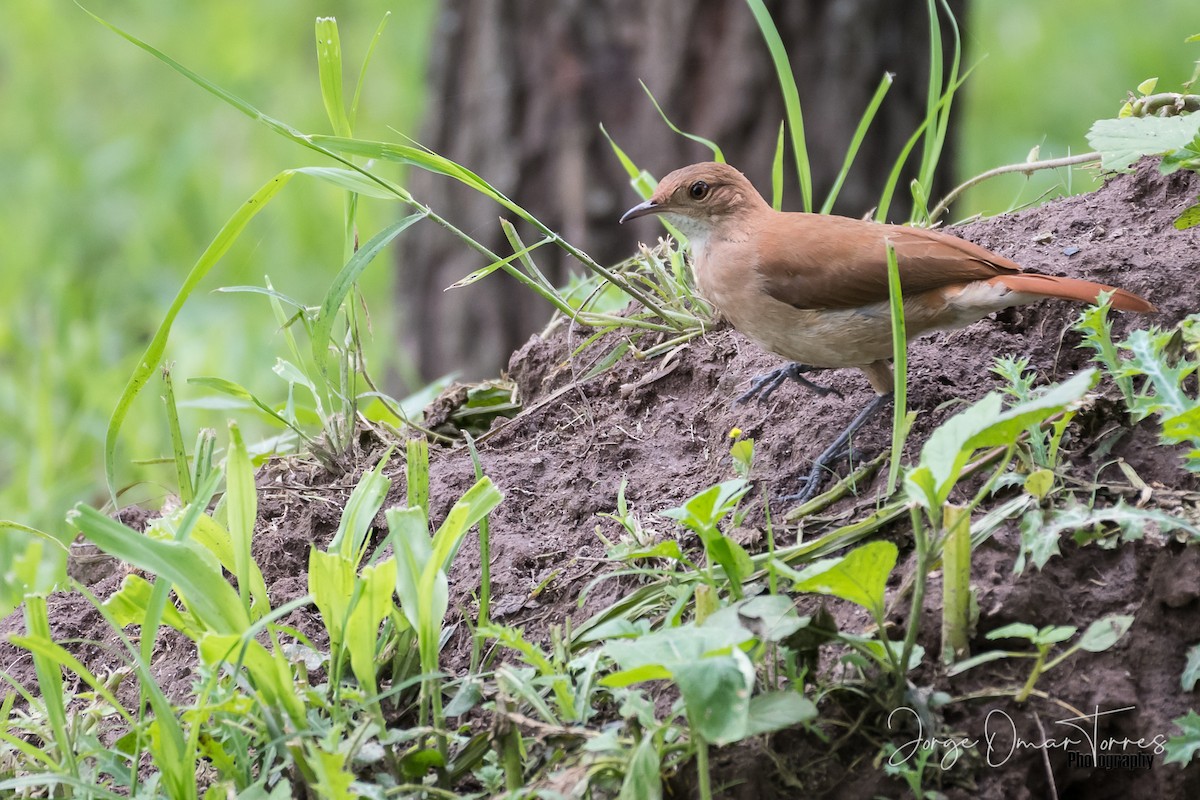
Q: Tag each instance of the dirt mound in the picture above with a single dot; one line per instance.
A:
(663, 427)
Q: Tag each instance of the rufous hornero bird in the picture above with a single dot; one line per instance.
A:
(813, 288)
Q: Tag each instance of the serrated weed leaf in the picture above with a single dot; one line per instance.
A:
(860, 576)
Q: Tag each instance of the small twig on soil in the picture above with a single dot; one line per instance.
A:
(1046, 758)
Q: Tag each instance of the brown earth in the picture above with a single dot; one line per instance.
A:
(663, 426)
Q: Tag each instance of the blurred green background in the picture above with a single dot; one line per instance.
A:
(115, 173)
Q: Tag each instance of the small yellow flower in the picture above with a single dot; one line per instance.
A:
(735, 433)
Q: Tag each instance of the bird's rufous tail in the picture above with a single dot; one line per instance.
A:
(1073, 289)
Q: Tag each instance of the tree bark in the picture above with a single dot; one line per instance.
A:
(518, 89)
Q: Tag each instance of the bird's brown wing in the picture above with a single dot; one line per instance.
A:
(815, 262)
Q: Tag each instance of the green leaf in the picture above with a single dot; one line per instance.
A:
(128, 607)
(1183, 748)
(204, 589)
(770, 617)
(716, 695)
(360, 510)
(716, 151)
(791, 96)
(329, 69)
(1053, 634)
(373, 593)
(686, 644)
(643, 773)
(1191, 670)
(860, 576)
(343, 282)
(1123, 141)
(709, 507)
(1039, 483)
(331, 584)
(1104, 633)
(774, 711)
(1014, 630)
(241, 507)
(409, 534)
(974, 661)
(153, 356)
(31, 562)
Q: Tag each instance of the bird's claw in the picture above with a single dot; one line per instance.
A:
(764, 386)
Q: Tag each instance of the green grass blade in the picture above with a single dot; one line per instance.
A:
(416, 472)
(343, 282)
(208, 595)
(183, 472)
(362, 506)
(362, 72)
(777, 172)
(153, 355)
(791, 96)
(900, 419)
(329, 69)
(711, 145)
(859, 133)
(50, 682)
(241, 507)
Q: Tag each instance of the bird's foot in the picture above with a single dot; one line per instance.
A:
(765, 385)
(811, 483)
(839, 449)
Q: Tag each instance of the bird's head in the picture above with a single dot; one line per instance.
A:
(701, 198)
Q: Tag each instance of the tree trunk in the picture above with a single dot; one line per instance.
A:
(518, 91)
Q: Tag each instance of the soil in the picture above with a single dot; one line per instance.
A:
(663, 426)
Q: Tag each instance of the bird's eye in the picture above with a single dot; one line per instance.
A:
(698, 190)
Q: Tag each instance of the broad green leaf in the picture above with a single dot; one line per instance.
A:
(1053, 634)
(1123, 141)
(674, 646)
(1191, 670)
(1014, 630)
(362, 506)
(475, 504)
(635, 675)
(774, 711)
(331, 584)
(706, 509)
(409, 535)
(860, 576)
(270, 673)
(1104, 633)
(128, 607)
(770, 617)
(1189, 218)
(205, 591)
(1039, 483)
(212, 537)
(1182, 749)
(643, 773)
(362, 629)
(716, 695)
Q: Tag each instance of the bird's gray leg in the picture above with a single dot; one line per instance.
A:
(765, 385)
(836, 451)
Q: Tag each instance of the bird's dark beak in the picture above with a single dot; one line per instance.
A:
(641, 210)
